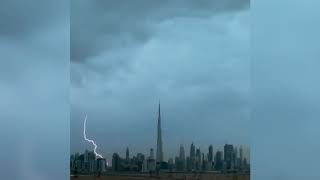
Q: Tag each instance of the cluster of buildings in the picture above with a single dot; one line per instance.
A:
(227, 160)
(87, 162)
(231, 158)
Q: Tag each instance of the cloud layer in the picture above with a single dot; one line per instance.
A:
(192, 56)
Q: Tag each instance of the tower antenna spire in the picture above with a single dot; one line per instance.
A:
(159, 109)
(159, 157)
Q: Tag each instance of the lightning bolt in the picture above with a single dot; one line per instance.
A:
(89, 140)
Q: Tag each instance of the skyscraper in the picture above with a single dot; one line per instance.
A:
(159, 157)
(116, 164)
(182, 159)
(192, 156)
(86, 159)
(198, 159)
(210, 155)
(101, 165)
(235, 157)
(170, 164)
(91, 161)
(198, 154)
(181, 153)
(151, 154)
(218, 161)
(228, 155)
(151, 163)
(241, 155)
(127, 155)
(192, 150)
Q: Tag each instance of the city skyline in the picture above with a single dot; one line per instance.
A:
(164, 157)
(229, 160)
(127, 150)
(196, 62)
(113, 60)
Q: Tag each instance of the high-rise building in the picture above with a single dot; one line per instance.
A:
(198, 154)
(101, 165)
(235, 158)
(151, 154)
(151, 163)
(140, 161)
(218, 162)
(192, 150)
(116, 162)
(86, 159)
(241, 156)
(188, 164)
(228, 155)
(177, 163)
(159, 157)
(72, 164)
(91, 161)
(181, 160)
(145, 166)
(210, 154)
(181, 153)
(245, 163)
(203, 163)
(192, 159)
(248, 155)
(170, 164)
(79, 162)
(127, 155)
(198, 160)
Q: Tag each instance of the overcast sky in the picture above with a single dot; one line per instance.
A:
(193, 56)
(197, 58)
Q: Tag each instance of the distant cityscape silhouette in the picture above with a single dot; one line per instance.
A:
(232, 159)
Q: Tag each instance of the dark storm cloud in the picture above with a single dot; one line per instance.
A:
(192, 55)
(98, 26)
(19, 18)
(34, 53)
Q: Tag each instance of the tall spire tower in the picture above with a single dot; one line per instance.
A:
(159, 157)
